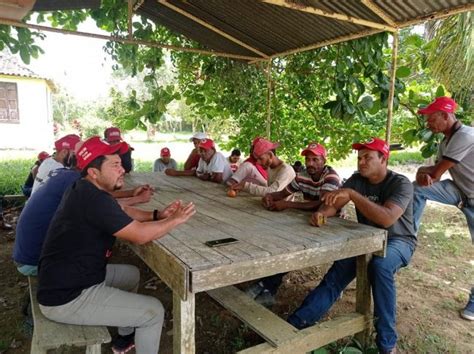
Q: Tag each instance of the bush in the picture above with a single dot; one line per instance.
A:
(13, 174)
(406, 157)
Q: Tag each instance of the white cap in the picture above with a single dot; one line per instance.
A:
(199, 136)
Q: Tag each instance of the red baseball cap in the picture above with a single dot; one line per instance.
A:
(165, 152)
(443, 104)
(67, 142)
(374, 144)
(207, 144)
(262, 146)
(316, 149)
(112, 134)
(95, 147)
(43, 155)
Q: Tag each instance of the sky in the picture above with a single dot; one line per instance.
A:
(77, 63)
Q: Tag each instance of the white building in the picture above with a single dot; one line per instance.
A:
(26, 112)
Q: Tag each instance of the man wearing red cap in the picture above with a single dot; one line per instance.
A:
(213, 165)
(62, 158)
(28, 186)
(280, 174)
(313, 183)
(456, 155)
(165, 161)
(384, 199)
(113, 136)
(192, 161)
(76, 285)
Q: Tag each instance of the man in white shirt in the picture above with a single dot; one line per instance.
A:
(280, 174)
(62, 158)
(212, 166)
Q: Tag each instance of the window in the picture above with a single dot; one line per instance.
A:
(8, 103)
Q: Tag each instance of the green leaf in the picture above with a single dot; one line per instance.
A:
(375, 107)
(366, 103)
(351, 350)
(403, 71)
(425, 134)
(322, 350)
(25, 54)
(440, 91)
(409, 136)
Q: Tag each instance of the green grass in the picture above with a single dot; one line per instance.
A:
(13, 174)
(405, 157)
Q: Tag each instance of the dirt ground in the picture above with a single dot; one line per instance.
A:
(431, 292)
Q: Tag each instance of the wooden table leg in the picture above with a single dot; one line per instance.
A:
(183, 324)
(363, 297)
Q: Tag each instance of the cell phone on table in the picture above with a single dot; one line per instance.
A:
(221, 242)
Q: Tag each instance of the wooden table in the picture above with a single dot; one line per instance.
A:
(269, 243)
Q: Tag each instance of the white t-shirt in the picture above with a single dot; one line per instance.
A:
(48, 165)
(278, 179)
(218, 164)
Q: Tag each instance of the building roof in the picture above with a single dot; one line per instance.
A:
(270, 28)
(9, 65)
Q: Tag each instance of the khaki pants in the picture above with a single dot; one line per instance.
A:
(115, 303)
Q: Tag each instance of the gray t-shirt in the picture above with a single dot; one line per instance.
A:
(395, 188)
(460, 150)
(160, 166)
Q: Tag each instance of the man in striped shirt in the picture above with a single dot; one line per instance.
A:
(313, 183)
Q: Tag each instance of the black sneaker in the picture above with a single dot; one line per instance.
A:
(123, 344)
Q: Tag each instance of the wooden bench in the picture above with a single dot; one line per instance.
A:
(52, 335)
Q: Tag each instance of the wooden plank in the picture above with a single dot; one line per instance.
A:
(229, 274)
(183, 324)
(264, 322)
(363, 297)
(174, 273)
(52, 335)
(315, 336)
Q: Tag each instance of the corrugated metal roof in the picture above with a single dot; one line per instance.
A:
(260, 29)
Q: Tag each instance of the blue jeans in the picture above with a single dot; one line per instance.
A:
(445, 192)
(381, 276)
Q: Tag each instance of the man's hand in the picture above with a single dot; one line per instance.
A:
(331, 198)
(169, 210)
(317, 219)
(424, 179)
(141, 189)
(238, 186)
(278, 205)
(170, 172)
(183, 212)
(267, 201)
(204, 176)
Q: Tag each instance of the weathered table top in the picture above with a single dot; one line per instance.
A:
(269, 242)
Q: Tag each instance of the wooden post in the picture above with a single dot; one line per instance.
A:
(391, 92)
(269, 98)
(184, 324)
(363, 297)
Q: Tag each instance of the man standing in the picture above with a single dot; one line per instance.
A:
(383, 199)
(76, 285)
(113, 136)
(456, 155)
(165, 161)
(316, 180)
(62, 158)
(280, 174)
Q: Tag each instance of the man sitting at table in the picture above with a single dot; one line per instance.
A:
(382, 199)
(317, 179)
(250, 170)
(280, 174)
(76, 285)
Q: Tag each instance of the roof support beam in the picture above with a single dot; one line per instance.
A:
(391, 92)
(325, 43)
(212, 28)
(379, 12)
(439, 14)
(319, 12)
(8, 22)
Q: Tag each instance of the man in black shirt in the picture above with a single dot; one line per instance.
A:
(384, 199)
(76, 285)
